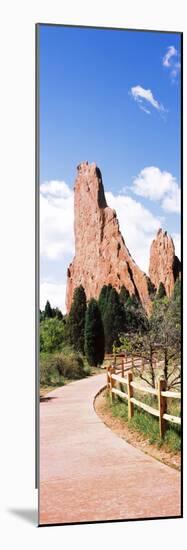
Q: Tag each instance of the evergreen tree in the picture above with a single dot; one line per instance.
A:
(113, 320)
(57, 313)
(151, 289)
(76, 320)
(136, 318)
(177, 290)
(94, 335)
(103, 298)
(161, 291)
(42, 315)
(124, 295)
(133, 301)
(48, 312)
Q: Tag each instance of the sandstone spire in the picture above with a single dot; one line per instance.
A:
(164, 266)
(101, 256)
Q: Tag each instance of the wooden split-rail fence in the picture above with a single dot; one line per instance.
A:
(123, 376)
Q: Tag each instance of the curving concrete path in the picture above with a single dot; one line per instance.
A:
(88, 473)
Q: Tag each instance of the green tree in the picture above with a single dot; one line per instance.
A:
(136, 317)
(141, 345)
(165, 326)
(160, 339)
(76, 320)
(48, 312)
(177, 291)
(151, 288)
(57, 313)
(161, 292)
(94, 335)
(42, 316)
(124, 295)
(51, 335)
(104, 297)
(113, 320)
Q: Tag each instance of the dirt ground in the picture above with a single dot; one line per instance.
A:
(121, 428)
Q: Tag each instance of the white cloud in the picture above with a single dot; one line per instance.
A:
(55, 188)
(56, 220)
(171, 61)
(145, 110)
(171, 52)
(154, 184)
(55, 292)
(177, 242)
(172, 201)
(137, 224)
(143, 96)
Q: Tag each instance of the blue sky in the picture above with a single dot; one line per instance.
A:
(110, 97)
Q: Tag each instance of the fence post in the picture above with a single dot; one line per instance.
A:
(162, 404)
(108, 376)
(130, 394)
(122, 369)
(112, 383)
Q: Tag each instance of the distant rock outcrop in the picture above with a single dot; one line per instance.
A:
(164, 266)
(101, 256)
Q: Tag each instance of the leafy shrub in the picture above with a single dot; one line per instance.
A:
(56, 368)
(71, 366)
(51, 335)
(49, 375)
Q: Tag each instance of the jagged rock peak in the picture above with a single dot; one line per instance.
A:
(89, 179)
(101, 256)
(164, 266)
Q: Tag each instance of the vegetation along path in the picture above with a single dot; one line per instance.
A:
(88, 473)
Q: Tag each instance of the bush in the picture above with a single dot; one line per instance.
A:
(49, 374)
(56, 368)
(71, 366)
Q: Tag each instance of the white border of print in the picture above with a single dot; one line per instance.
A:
(17, 268)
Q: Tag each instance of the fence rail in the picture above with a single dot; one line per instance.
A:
(161, 393)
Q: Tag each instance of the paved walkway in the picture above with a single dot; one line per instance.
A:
(88, 473)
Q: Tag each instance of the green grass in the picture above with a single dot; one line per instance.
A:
(148, 425)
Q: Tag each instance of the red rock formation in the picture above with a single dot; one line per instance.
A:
(101, 256)
(164, 265)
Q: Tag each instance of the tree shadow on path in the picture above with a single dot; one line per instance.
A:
(43, 399)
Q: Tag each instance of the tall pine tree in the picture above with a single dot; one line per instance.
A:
(104, 297)
(136, 318)
(113, 320)
(161, 292)
(177, 290)
(48, 312)
(94, 335)
(76, 320)
(124, 295)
